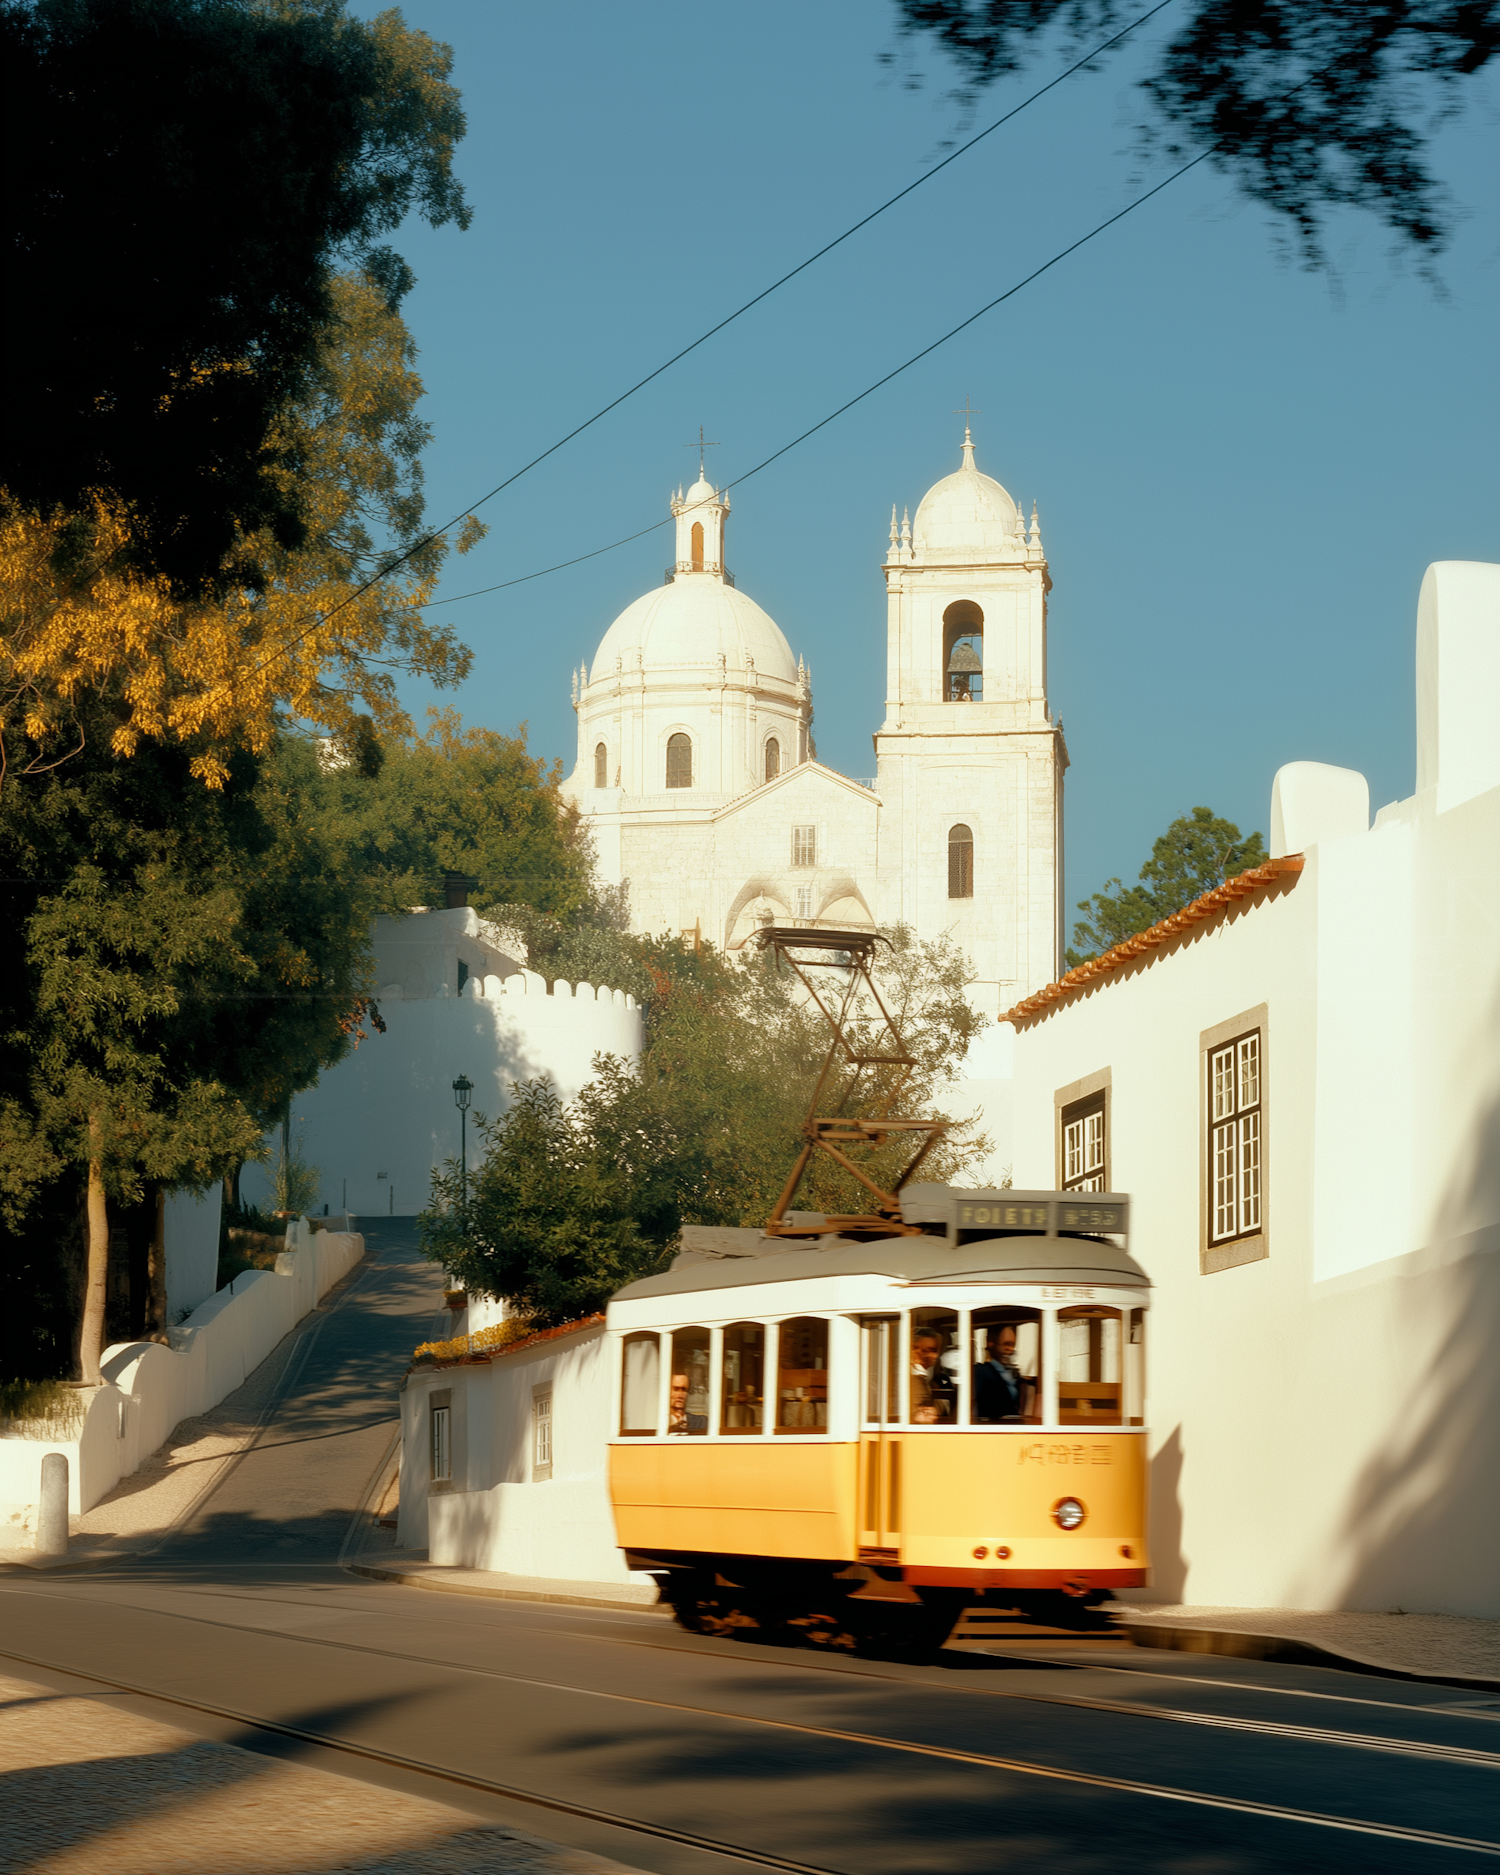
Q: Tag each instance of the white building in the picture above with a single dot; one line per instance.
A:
(697, 772)
(379, 1123)
(1298, 1082)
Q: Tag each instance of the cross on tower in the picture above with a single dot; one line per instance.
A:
(966, 413)
(700, 446)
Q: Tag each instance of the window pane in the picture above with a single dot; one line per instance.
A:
(802, 1376)
(1135, 1370)
(1073, 1149)
(687, 1402)
(541, 1422)
(1249, 1066)
(679, 762)
(1221, 1082)
(601, 765)
(1093, 1142)
(743, 1408)
(932, 1368)
(640, 1385)
(773, 759)
(804, 846)
(1088, 1373)
(960, 862)
(1250, 1172)
(442, 1444)
(1225, 1207)
(1006, 1382)
(882, 1371)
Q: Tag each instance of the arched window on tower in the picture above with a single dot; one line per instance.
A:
(601, 765)
(963, 653)
(679, 761)
(773, 758)
(697, 550)
(960, 861)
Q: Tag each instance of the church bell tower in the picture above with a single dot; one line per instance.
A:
(969, 760)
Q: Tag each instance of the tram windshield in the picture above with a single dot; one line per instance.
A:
(1007, 1377)
(640, 1386)
(687, 1411)
(743, 1403)
(802, 1375)
(932, 1382)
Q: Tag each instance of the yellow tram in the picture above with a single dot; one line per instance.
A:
(853, 1438)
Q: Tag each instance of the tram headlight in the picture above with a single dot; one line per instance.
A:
(1068, 1513)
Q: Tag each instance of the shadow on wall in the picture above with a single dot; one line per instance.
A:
(1424, 1517)
(1168, 1564)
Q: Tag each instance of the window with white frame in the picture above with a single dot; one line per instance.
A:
(1235, 1076)
(541, 1433)
(804, 901)
(1085, 1145)
(441, 1408)
(804, 846)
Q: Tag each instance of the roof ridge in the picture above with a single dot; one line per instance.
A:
(1208, 905)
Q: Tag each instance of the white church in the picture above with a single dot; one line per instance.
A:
(697, 773)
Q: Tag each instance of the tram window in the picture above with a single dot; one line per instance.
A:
(1135, 1369)
(743, 1408)
(802, 1376)
(640, 1386)
(687, 1406)
(1088, 1370)
(883, 1366)
(932, 1369)
(1007, 1378)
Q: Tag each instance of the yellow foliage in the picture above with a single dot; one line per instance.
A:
(80, 625)
(483, 1341)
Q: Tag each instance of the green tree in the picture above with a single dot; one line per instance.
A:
(473, 802)
(183, 180)
(1196, 853)
(1311, 105)
(572, 1200)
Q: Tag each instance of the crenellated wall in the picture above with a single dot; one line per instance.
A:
(384, 1119)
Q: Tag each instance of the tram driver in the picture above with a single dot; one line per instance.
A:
(1001, 1390)
(679, 1419)
(933, 1391)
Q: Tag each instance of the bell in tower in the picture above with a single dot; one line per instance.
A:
(965, 673)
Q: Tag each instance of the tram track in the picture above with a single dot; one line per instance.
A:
(1467, 1756)
(354, 1749)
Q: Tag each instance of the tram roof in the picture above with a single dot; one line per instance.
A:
(1007, 1259)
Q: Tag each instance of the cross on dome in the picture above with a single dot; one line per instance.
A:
(966, 413)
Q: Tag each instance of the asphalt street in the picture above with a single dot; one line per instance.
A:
(613, 1731)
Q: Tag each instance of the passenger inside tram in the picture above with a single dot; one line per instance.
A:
(933, 1389)
(1001, 1390)
(679, 1419)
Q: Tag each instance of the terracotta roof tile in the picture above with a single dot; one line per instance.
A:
(1243, 885)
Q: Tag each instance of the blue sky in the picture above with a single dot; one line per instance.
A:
(1242, 470)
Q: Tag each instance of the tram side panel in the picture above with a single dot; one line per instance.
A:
(762, 1498)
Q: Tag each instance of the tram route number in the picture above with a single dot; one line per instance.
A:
(1055, 1452)
(1080, 1217)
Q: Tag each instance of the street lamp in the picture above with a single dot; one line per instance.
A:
(462, 1088)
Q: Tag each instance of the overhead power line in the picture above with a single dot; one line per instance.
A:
(870, 389)
(394, 565)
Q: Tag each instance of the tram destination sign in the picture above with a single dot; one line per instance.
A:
(1046, 1213)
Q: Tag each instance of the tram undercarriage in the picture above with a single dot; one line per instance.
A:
(848, 1608)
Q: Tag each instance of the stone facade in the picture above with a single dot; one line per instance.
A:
(697, 771)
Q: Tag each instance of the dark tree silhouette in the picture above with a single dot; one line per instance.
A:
(1309, 105)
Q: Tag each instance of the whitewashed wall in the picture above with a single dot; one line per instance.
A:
(496, 1516)
(1326, 1421)
(383, 1120)
(148, 1389)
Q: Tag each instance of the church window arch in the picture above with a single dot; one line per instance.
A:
(697, 546)
(963, 653)
(601, 765)
(773, 758)
(960, 861)
(679, 761)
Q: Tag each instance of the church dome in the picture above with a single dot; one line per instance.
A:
(693, 622)
(965, 515)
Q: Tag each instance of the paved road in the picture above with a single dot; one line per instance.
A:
(690, 1755)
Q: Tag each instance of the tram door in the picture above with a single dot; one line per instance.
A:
(879, 1443)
